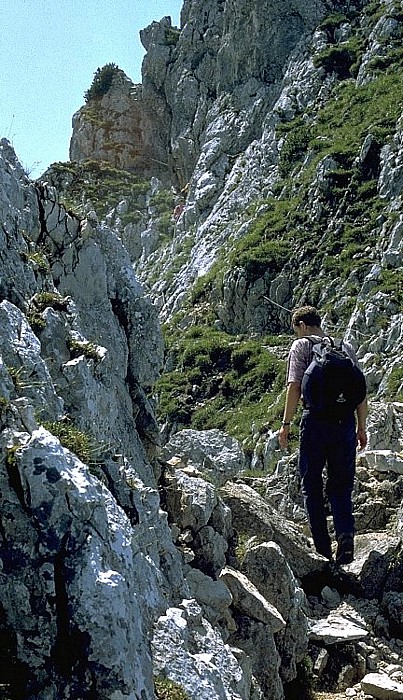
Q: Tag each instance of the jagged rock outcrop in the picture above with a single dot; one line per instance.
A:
(120, 569)
(86, 534)
(117, 128)
(79, 493)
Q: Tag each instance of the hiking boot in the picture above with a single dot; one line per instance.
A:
(345, 549)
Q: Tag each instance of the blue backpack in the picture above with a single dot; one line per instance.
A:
(332, 385)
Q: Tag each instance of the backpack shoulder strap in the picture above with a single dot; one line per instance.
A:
(316, 339)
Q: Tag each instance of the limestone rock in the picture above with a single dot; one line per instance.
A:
(91, 568)
(248, 600)
(118, 129)
(190, 500)
(252, 515)
(379, 685)
(385, 460)
(257, 641)
(210, 673)
(338, 627)
(267, 568)
(217, 456)
(213, 596)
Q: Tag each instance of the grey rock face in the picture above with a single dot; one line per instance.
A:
(118, 129)
(215, 455)
(252, 515)
(266, 566)
(70, 546)
(212, 672)
(103, 549)
(379, 685)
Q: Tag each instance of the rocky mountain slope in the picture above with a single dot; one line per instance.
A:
(257, 167)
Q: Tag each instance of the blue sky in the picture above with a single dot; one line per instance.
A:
(49, 52)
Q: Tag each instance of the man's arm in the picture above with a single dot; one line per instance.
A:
(362, 413)
(291, 402)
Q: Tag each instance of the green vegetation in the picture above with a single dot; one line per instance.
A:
(38, 261)
(244, 540)
(331, 22)
(172, 35)
(266, 247)
(232, 382)
(100, 183)
(283, 232)
(42, 301)
(295, 146)
(221, 381)
(71, 438)
(80, 443)
(83, 347)
(391, 283)
(20, 378)
(163, 204)
(102, 81)
(11, 459)
(395, 385)
(54, 300)
(341, 59)
(36, 321)
(4, 403)
(166, 689)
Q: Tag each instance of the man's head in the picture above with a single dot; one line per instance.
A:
(305, 321)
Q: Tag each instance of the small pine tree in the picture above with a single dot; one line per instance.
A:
(102, 81)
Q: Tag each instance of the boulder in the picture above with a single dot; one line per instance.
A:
(215, 455)
(380, 686)
(247, 599)
(186, 649)
(251, 515)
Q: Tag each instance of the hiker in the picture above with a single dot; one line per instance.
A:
(324, 439)
(179, 207)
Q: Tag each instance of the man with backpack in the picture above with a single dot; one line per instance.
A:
(332, 386)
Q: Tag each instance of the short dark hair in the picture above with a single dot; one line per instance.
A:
(308, 314)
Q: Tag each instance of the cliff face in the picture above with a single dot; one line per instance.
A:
(118, 128)
(66, 537)
(291, 136)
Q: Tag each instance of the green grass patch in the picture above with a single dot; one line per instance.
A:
(72, 438)
(38, 261)
(83, 347)
(102, 81)
(172, 35)
(54, 300)
(99, 182)
(391, 283)
(220, 381)
(266, 246)
(282, 232)
(166, 689)
(395, 385)
(341, 59)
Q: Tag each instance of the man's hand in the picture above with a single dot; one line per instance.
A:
(362, 413)
(362, 439)
(283, 436)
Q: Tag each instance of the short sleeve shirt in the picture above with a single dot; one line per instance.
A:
(300, 357)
